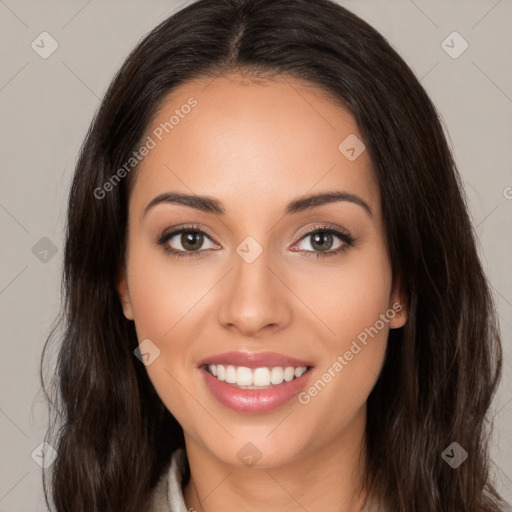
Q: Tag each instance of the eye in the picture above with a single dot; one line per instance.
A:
(188, 241)
(185, 241)
(322, 240)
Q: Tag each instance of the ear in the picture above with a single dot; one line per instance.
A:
(398, 304)
(124, 294)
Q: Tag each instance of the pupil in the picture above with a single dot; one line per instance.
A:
(319, 241)
(191, 240)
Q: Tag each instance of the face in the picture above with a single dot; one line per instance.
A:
(289, 306)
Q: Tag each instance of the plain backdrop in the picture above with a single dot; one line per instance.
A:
(46, 105)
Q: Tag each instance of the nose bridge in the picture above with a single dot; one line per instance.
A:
(251, 272)
(254, 298)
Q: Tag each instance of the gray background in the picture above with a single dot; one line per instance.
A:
(46, 106)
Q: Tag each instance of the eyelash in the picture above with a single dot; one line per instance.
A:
(347, 239)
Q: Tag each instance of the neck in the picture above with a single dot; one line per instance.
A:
(325, 476)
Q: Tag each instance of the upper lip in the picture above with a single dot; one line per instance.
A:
(253, 360)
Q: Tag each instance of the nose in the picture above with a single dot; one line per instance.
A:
(253, 299)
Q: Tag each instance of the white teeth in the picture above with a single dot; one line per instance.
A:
(289, 373)
(254, 378)
(299, 371)
(243, 376)
(261, 377)
(230, 375)
(276, 375)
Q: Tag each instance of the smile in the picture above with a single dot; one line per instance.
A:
(252, 382)
(255, 378)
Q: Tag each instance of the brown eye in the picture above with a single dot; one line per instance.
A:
(191, 240)
(321, 242)
(323, 239)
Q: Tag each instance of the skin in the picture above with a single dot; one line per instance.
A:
(255, 147)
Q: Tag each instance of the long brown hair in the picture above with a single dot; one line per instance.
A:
(113, 434)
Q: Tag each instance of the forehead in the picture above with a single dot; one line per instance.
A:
(252, 143)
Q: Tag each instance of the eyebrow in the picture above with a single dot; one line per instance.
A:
(210, 205)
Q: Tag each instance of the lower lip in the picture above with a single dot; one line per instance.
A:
(254, 400)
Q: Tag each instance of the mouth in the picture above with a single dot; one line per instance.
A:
(254, 383)
(263, 377)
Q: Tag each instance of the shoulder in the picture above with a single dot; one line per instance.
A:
(167, 495)
(159, 500)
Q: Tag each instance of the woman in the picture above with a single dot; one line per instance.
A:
(273, 296)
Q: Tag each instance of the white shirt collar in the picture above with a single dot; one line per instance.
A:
(175, 494)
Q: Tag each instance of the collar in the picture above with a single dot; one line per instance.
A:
(174, 491)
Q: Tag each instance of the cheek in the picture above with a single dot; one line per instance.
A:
(348, 296)
(163, 296)
(167, 306)
(351, 302)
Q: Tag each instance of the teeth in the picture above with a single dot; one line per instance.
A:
(276, 375)
(261, 377)
(299, 371)
(255, 378)
(243, 376)
(289, 373)
(230, 375)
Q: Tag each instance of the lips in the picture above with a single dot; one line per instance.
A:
(254, 399)
(254, 360)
